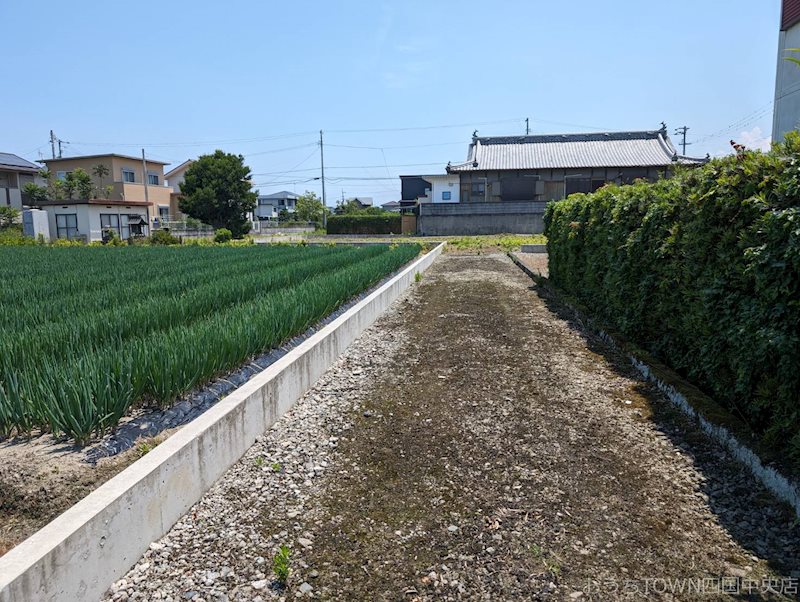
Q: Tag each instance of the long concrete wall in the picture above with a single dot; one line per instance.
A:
(82, 552)
(461, 219)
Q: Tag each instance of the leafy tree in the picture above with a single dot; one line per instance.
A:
(217, 192)
(8, 216)
(283, 215)
(309, 207)
(34, 193)
(101, 171)
(80, 182)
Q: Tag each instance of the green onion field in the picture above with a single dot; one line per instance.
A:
(86, 333)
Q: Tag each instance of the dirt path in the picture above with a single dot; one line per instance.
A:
(491, 452)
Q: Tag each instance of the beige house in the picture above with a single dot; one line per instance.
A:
(128, 177)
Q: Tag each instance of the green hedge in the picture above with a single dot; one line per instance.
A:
(364, 224)
(703, 271)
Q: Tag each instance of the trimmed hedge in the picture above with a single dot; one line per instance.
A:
(703, 271)
(364, 224)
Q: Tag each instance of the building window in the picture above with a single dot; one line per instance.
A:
(478, 188)
(67, 225)
(62, 175)
(574, 185)
(110, 221)
(128, 175)
(163, 213)
(152, 179)
(445, 195)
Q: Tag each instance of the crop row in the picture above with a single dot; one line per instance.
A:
(80, 377)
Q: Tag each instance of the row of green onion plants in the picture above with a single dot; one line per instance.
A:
(74, 366)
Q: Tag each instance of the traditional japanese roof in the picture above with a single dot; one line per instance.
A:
(560, 151)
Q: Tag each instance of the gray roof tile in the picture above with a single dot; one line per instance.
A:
(13, 161)
(558, 151)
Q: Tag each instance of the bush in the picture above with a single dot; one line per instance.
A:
(388, 223)
(223, 235)
(703, 271)
(163, 237)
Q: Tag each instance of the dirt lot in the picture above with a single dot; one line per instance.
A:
(494, 453)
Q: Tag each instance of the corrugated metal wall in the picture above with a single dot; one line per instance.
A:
(791, 13)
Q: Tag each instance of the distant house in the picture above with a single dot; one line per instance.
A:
(175, 177)
(127, 178)
(438, 188)
(548, 167)
(15, 172)
(361, 202)
(393, 206)
(270, 205)
(786, 116)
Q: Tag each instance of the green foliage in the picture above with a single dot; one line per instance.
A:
(281, 565)
(309, 208)
(34, 194)
(8, 216)
(793, 59)
(388, 223)
(702, 270)
(217, 192)
(163, 237)
(74, 359)
(222, 235)
(79, 183)
(418, 277)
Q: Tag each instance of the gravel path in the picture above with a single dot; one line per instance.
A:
(474, 445)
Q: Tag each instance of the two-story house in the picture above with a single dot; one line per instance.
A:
(130, 180)
(130, 199)
(15, 172)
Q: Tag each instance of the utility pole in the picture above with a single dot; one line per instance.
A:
(144, 173)
(53, 143)
(322, 176)
(59, 148)
(527, 127)
(681, 131)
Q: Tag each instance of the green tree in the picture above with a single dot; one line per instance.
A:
(217, 192)
(8, 217)
(309, 207)
(101, 171)
(82, 183)
(34, 194)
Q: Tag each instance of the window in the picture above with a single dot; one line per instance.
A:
(128, 175)
(152, 179)
(125, 231)
(478, 189)
(67, 225)
(163, 213)
(62, 175)
(574, 185)
(445, 195)
(110, 221)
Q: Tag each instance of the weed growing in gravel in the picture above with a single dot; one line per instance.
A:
(280, 565)
(417, 277)
(276, 466)
(260, 461)
(536, 550)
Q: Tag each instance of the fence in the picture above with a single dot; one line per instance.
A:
(461, 219)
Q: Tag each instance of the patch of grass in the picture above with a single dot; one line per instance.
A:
(146, 446)
(536, 550)
(281, 565)
(503, 242)
(417, 277)
(276, 466)
(260, 461)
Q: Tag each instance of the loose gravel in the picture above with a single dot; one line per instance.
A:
(475, 445)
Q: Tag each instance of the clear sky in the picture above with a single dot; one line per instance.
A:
(261, 78)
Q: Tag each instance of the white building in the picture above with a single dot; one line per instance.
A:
(787, 81)
(86, 220)
(175, 177)
(270, 205)
(436, 188)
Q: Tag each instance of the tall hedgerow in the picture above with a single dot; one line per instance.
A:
(702, 270)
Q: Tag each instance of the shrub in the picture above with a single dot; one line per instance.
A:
(163, 237)
(703, 271)
(222, 235)
(364, 224)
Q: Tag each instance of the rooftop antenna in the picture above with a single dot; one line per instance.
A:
(527, 127)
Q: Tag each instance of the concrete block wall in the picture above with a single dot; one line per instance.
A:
(462, 219)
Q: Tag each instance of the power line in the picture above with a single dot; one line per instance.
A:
(425, 127)
(199, 143)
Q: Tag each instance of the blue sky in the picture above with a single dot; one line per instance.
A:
(262, 78)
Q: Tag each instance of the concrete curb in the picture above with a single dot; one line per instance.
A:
(82, 552)
(533, 249)
(778, 484)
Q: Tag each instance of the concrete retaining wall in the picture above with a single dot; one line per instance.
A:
(82, 552)
(462, 219)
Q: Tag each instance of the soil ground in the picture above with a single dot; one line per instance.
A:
(498, 453)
